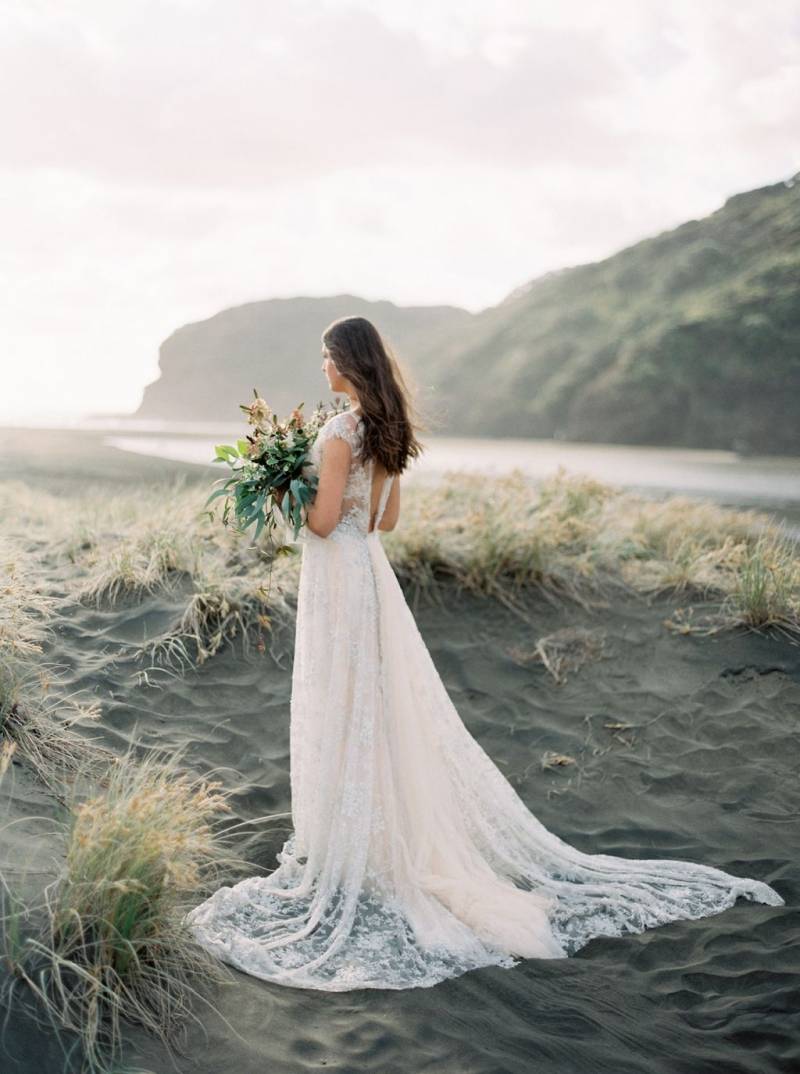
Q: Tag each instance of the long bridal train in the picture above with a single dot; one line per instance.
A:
(412, 858)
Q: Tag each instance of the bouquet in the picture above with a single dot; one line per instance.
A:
(272, 479)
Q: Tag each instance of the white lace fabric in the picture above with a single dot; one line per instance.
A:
(412, 857)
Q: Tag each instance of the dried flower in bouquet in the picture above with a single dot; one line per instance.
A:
(273, 481)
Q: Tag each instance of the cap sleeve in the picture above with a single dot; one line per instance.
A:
(345, 426)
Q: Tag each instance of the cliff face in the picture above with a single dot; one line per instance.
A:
(209, 367)
(689, 338)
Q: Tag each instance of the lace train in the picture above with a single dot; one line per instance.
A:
(412, 858)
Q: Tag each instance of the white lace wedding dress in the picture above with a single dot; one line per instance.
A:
(412, 858)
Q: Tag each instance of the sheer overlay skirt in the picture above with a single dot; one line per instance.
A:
(412, 858)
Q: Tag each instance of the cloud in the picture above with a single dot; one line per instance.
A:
(248, 96)
(164, 159)
(188, 98)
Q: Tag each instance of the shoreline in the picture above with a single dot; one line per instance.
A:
(45, 455)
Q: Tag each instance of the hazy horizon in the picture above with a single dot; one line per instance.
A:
(167, 162)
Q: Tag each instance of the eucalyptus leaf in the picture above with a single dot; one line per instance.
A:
(213, 496)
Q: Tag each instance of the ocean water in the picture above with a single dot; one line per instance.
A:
(767, 482)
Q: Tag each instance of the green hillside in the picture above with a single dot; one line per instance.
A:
(688, 338)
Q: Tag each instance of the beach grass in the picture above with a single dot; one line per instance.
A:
(569, 538)
(498, 537)
(38, 713)
(107, 943)
(222, 606)
(761, 590)
(563, 651)
(578, 539)
(767, 584)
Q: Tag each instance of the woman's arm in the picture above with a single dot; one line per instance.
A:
(323, 514)
(392, 510)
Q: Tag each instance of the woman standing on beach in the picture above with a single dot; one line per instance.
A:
(412, 858)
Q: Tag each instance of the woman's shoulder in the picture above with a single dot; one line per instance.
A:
(344, 425)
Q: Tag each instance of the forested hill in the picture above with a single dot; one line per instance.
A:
(689, 338)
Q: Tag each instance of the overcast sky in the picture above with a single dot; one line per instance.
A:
(163, 160)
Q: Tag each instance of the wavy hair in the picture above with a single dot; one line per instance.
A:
(360, 354)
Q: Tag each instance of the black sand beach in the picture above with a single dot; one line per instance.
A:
(703, 768)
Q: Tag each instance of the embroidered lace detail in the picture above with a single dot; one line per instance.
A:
(412, 858)
(355, 511)
(354, 517)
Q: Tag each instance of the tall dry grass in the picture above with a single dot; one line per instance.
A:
(161, 541)
(107, 945)
(579, 539)
(44, 720)
(223, 606)
(569, 538)
(498, 537)
(761, 590)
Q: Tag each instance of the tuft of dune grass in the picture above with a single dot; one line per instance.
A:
(497, 536)
(152, 540)
(762, 591)
(221, 608)
(161, 542)
(107, 944)
(37, 714)
(766, 589)
(25, 605)
(564, 651)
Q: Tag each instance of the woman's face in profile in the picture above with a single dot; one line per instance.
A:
(336, 382)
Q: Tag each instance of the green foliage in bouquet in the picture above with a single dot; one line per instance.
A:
(272, 477)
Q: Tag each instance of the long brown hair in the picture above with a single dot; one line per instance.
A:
(359, 353)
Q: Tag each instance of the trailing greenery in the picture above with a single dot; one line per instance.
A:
(273, 481)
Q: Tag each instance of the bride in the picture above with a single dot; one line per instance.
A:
(412, 859)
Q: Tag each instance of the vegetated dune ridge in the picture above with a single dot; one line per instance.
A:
(688, 338)
(660, 744)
